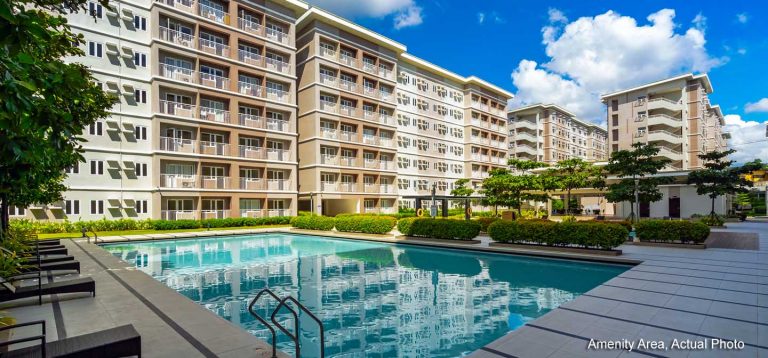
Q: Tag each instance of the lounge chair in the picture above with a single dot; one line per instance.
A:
(114, 342)
(53, 251)
(49, 242)
(50, 266)
(9, 292)
(48, 258)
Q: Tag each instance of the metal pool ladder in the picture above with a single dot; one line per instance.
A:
(293, 336)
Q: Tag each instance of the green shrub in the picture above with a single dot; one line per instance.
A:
(175, 224)
(710, 220)
(314, 222)
(484, 222)
(672, 231)
(585, 234)
(625, 223)
(569, 219)
(368, 224)
(439, 228)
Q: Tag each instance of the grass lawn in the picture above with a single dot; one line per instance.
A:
(74, 235)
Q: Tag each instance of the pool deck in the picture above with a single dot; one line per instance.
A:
(670, 294)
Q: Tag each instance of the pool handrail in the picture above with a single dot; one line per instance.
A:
(296, 324)
(262, 320)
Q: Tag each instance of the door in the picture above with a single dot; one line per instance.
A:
(645, 210)
(674, 207)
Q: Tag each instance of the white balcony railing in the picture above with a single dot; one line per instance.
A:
(215, 182)
(279, 66)
(179, 215)
(177, 37)
(329, 186)
(212, 13)
(252, 213)
(178, 145)
(251, 58)
(250, 26)
(252, 184)
(278, 36)
(250, 89)
(178, 109)
(178, 181)
(215, 48)
(215, 81)
(178, 73)
(278, 95)
(214, 115)
(328, 106)
(214, 214)
(214, 148)
(348, 161)
(251, 152)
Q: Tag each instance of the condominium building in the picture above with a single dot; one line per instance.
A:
(674, 113)
(549, 133)
(235, 108)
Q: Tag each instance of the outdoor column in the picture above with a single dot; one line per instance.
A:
(445, 208)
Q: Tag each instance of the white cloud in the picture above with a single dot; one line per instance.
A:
(742, 17)
(747, 138)
(406, 12)
(759, 106)
(410, 17)
(480, 17)
(742, 51)
(595, 55)
(493, 15)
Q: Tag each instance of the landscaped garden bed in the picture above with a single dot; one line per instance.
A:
(672, 233)
(439, 229)
(577, 237)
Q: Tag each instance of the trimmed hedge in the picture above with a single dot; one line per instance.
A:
(396, 216)
(484, 222)
(682, 231)
(368, 224)
(604, 236)
(439, 228)
(45, 227)
(313, 222)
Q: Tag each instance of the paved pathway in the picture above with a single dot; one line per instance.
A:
(681, 294)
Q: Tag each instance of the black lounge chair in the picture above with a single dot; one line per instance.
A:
(9, 292)
(49, 242)
(53, 251)
(114, 342)
(51, 266)
(48, 258)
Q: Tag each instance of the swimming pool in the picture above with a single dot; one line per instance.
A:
(375, 299)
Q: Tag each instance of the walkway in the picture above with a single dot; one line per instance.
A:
(681, 294)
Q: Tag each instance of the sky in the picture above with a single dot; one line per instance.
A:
(569, 52)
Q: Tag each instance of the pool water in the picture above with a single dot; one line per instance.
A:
(375, 299)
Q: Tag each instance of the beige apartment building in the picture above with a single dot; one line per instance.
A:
(673, 113)
(249, 109)
(549, 133)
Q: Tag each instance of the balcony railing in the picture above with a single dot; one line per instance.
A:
(279, 66)
(371, 163)
(386, 189)
(325, 52)
(251, 152)
(348, 136)
(250, 58)
(252, 213)
(215, 81)
(214, 115)
(250, 26)
(186, 5)
(278, 36)
(348, 161)
(329, 159)
(277, 212)
(328, 80)
(181, 181)
(179, 215)
(278, 184)
(370, 139)
(178, 73)
(214, 14)
(214, 48)
(249, 120)
(386, 165)
(178, 145)
(347, 85)
(214, 148)
(178, 109)
(250, 89)
(348, 60)
(348, 187)
(329, 186)
(214, 214)
(277, 95)
(252, 184)
(278, 154)
(329, 133)
(177, 37)
(278, 125)
(215, 182)
(347, 110)
(328, 106)
(370, 188)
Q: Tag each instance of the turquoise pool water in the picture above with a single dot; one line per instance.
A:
(375, 299)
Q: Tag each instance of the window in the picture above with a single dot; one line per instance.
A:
(97, 167)
(140, 169)
(97, 207)
(140, 23)
(16, 211)
(140, 59)
(140, 96)
(95, 49)
(140, 132)
(72, 207)
(141, 206)
(96, 128)
(95, 9)
(403, 163)
(73, 169)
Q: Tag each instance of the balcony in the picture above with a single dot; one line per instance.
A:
(370, 188)
(179, 215)
(526, 136)
(386, 165)
(329, 133)
(278, 66)
(347, 110)
(213, 14)
(347, 85)
(370, 139)
(278, 125)
(177, 37)
(252, 121)
(329, 186)
(386, 189)
(178, 109)
(278, 36)
(249, 26)
(252, 184)
(670, 153)
(278, 154)
(524, 148)
(526, 124)
(665, 136)
(370, 68)
(371, 116)
(328, 80)
(214, 115)
(214, 148)
(214, 81)
(186, 5)
(251, 152)
(278, 184)
(666, 120)
(328, 106)
(348, 187)
(328, 53)
(664, 103)
(348, 161)
(178, 181)
(277, 212)
(214, 214)
(348, 60)
(178, 73)
(215, 182)
(278, 95)
(178, 145)
(480, 106)
(252, 213)
(250, 58)
(250, 89)
(348, 136)
(385, 142)
(329, 159)
(371, 163)
(214, 48)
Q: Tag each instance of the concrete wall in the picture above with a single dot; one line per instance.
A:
(690, 203)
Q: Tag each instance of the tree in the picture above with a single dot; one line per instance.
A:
(718, 177)
(526, 184)
(632, 168)
(575, 173)
(44, 102)
(460, 188)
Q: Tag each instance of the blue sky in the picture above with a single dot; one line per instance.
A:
(568, 52)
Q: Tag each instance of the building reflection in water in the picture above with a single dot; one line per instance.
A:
(375, 299)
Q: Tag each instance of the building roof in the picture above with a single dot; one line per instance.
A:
(542, 106)
(315, 13)
(688, 76)
(483, 83)
(426, 65)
